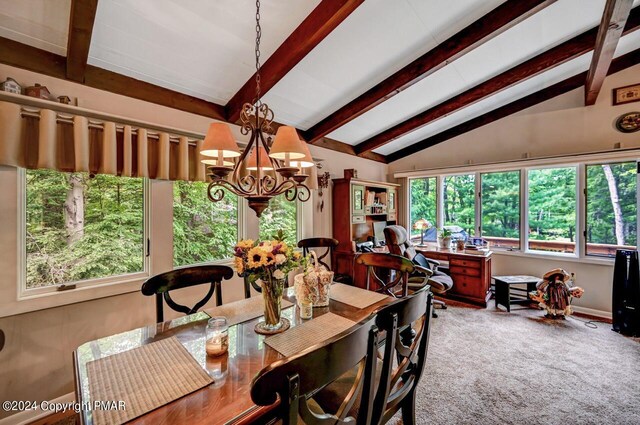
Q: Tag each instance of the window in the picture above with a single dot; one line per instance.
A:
(202, 230)
(611, 208)
(500, 206)
(80, 228)
(280, 214)
(460, 202)
(423, 204)
(552, 209)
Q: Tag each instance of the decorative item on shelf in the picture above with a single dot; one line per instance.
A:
(460, 244)
(278, 164)
(628, 123)
(422, 225)
(217, 336)
(554, 293)
(444, 238)
(10, 85)
(268, 263)
(64, 99)
(350, 173)
(626, 94)
(41, 92)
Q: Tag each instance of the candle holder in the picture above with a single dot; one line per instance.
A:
(217, 336)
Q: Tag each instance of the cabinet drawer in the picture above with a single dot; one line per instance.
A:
(467, 271)
(358, 219)
(468, 286)
(475, 264)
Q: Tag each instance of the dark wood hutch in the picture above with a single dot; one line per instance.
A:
(357, 205)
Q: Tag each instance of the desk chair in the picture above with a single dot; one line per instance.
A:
(396, 267)
(399, 243)
(160, 286)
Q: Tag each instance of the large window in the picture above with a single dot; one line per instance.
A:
(552, 209)
(500, 206)
(80, 228)
(423, 204)
(459, 202)
(202, 230)
(611, 208)
(281, 214)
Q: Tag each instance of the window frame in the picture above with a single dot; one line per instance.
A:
(579, 161)
(26, 293)
(438, 189)
(476, 223)
(479, 221)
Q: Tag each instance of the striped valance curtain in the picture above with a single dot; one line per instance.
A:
(43, 138)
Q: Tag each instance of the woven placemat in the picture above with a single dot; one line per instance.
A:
(355, 297)
(308, 334)
(145, 378)
(243, 310)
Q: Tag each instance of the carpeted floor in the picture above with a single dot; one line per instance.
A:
(491, 367)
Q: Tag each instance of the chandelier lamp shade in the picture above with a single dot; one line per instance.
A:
(268, 166)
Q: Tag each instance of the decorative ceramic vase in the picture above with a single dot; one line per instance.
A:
(445, 243)
(272, 297)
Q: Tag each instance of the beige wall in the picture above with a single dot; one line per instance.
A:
(36, 361)
(560, 126)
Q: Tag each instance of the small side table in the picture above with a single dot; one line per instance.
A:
(503, 289)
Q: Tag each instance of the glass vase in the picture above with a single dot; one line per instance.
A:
(272, 298)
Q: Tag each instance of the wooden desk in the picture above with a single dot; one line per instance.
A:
(224, 402)
(471, 273)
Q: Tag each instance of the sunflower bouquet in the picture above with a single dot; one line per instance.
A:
(267, 263)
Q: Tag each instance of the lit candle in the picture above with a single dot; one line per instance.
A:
(217, 336)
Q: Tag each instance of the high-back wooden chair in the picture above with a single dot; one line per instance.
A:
(405, 348)
(296, 379)
(395, 269)
(329, 243)
(160, 286)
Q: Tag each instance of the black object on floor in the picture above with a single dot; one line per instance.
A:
(626, 293)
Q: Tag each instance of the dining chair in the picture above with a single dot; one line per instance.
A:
(385, 272)
(295, 380)
(329, 243)
(160, 285)
(406, 325)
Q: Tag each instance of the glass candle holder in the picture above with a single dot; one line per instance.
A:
(217, 336)
(306, 308)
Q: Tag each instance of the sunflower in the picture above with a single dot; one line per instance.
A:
(239, 264)
(245, 244)
(257, 257)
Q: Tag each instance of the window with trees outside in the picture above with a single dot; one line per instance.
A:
(203, 231)
(460, 201)
(500, 206)
(611, 208)
(80, 227)
(280, 214)
(423, 204)
(552, 209)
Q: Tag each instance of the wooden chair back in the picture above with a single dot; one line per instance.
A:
(408, 348)
(396, 267)
(160, 286)
(329, 243)
(297, 378)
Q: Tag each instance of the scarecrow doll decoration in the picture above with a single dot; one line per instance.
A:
(554, 293)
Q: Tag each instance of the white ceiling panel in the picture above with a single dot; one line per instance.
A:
(39, 23)
(540, 32)
(377, 39)
(201, 48)
(546, 79)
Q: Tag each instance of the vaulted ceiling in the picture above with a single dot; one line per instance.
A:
(381, 79)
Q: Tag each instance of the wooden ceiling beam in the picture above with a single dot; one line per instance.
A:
(20, 55)
(565, 86)
(484, 29)
(82, 18)
(558, 55)
(320, 22)
(613, 21)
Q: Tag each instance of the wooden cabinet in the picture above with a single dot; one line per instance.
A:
(471, 274)
(357, 205)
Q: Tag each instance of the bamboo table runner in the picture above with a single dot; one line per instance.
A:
(355, 297)
(145, 378)
(308, 334)
(243, 310)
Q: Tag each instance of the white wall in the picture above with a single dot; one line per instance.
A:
(560, 126)
(36, 362)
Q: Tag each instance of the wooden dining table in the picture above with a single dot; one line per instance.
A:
(227, 400)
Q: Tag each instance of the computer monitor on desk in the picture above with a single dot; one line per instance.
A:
(378, 232)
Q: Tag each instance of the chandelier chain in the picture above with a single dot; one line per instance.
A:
(257, 52)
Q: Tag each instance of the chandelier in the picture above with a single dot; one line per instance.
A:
(268, 166)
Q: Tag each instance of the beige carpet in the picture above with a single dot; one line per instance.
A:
(492, 367)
